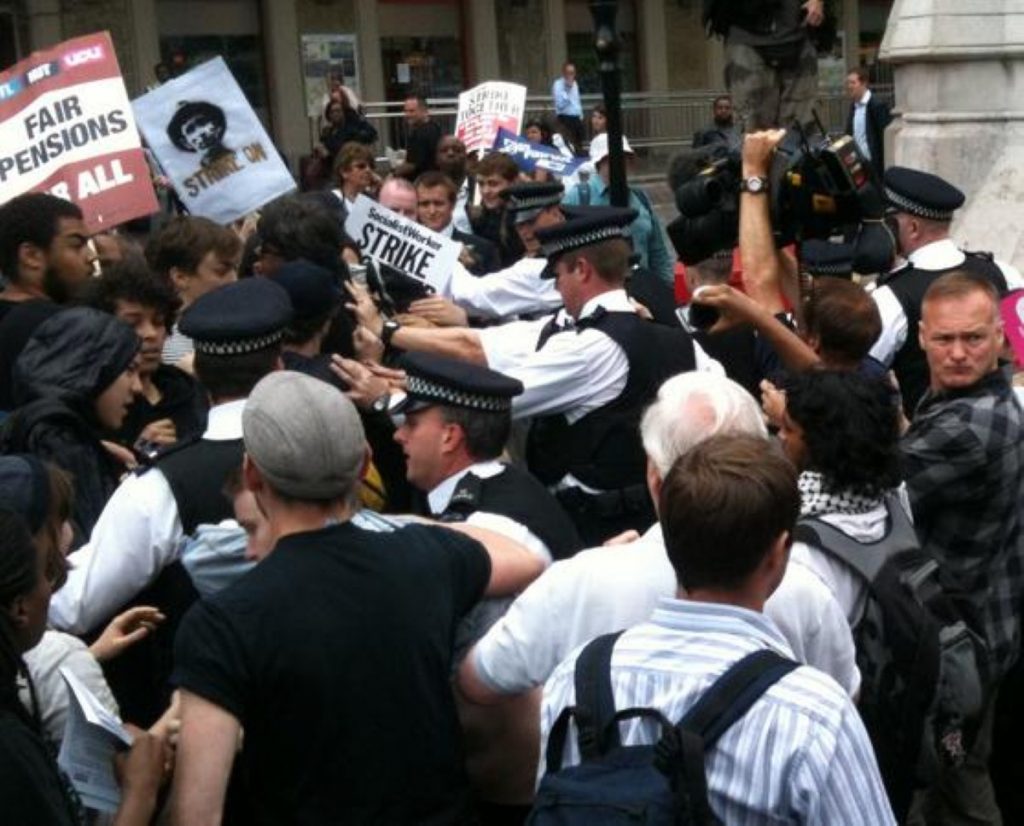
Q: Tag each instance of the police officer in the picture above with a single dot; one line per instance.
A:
(457, 418)
(518, 289)
(588, 371)
(922, 207)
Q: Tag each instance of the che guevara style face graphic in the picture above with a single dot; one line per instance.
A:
(199, 126)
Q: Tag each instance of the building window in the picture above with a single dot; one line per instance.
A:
(422, 47)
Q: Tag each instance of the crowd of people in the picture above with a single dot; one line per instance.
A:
(343, 548)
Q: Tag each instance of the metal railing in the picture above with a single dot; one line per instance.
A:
(656, 123)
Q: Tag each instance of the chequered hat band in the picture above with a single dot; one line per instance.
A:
(585, 239)
(443, 394)
(904, 204)
(239, 347)
(516, 204)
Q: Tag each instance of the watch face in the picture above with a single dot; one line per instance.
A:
(754, 184)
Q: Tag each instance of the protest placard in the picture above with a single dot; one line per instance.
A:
(530, 156)
(393, 240)
(485, 109)
(216, 154)
(1011, 308)
(66, 127)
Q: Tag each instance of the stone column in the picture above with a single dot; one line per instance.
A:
(284, 80)
(483, 26)
(554, 28)
(368, 26)
(653, 44)
(44, 24)
(959, 78)
(147, 41)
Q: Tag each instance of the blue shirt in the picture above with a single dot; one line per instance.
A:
(567, 99)
(645, 232)
(799, 755)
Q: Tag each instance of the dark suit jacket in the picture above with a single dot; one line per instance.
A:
(485, 252)
(877, 118)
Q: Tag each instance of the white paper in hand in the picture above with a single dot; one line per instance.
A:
(91, 739)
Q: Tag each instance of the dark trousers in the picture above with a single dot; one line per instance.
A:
(573, 131)
(963, 796)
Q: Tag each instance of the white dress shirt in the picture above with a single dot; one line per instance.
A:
(609, 588)
(576, 371)
(799, 755)
(860, 124)
(440, 496)
(138, 534)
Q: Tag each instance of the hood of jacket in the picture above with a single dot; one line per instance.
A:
(74, 356)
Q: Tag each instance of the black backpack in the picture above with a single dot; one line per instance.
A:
(923, 665)
(660, 784)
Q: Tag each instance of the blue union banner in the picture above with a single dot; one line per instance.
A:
(531, 156)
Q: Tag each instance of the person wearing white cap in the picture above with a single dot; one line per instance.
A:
(335, 652)
(646, 231)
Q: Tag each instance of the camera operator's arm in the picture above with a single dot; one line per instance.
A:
(760, 259)
(735, 309)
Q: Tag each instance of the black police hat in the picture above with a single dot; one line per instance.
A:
(819, 257)
(583, 226)
(238, 318)
(524, 201)
(311, 288)
(921, 193)
(433, 380)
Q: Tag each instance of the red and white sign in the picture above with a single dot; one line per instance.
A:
(485, 109)
(1012, 310)
(66, 127)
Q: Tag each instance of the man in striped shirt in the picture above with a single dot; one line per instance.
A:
(800, 754)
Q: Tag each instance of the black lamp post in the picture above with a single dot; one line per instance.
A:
(606, 45)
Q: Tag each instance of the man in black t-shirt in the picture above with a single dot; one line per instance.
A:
(424, 134)
(334, 653)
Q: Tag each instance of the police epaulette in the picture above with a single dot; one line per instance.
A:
(147, 462)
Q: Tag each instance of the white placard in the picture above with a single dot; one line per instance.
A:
(485, 109)
(391, 239)
(211, 145)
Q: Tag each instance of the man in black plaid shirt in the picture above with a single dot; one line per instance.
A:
(964, 466)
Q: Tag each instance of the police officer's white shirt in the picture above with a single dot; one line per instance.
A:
(605, 589)
(440, 496)
(515, 290)
(576, 371)
(138, 534)
(939, 255)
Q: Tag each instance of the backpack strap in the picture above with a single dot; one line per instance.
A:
(681, 756)
(866, 558)
(595, 703)
(733, 693)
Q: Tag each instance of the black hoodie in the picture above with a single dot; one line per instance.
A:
(71, 358)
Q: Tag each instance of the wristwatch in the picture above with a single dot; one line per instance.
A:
(380, 404)
(387, 333)
(755, 184)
